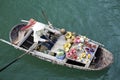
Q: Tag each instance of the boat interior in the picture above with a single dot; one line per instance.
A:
(58, 44)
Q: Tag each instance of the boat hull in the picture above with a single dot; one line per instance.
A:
(105, 57)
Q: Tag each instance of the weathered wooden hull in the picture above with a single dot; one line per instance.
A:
(105, 58)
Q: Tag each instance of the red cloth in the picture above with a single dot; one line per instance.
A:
(30, 23)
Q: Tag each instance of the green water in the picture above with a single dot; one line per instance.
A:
(97, 19)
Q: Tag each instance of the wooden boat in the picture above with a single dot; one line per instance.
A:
(68, 49)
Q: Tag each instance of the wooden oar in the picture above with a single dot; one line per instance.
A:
(24, 21)
(13, 61)
(19, 57)
(46, 18)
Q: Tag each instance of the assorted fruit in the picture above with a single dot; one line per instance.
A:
(78, 48)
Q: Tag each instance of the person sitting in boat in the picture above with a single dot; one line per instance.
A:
(39, 31)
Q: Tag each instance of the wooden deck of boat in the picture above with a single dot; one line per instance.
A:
(59, 44)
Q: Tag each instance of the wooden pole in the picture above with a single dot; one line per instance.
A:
(19, 57)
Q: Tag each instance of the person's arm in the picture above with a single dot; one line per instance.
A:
(37, 38)
(42, 40)
(49, 29)
(52, 30)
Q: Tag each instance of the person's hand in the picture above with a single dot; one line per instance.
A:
(47, 41)
(56, 33)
